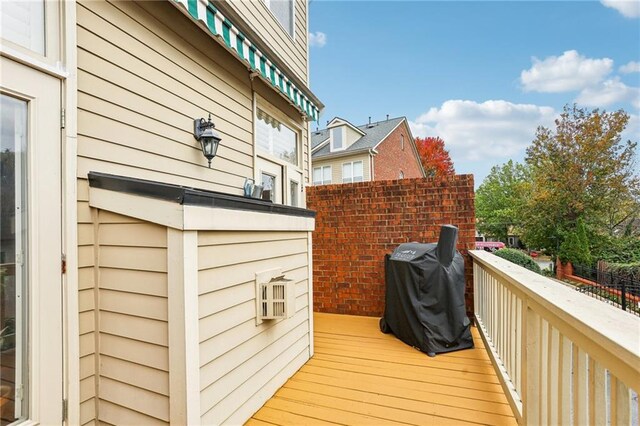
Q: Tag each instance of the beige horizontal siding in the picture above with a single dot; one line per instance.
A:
(336, 166)
(137, 375)
(290, 50)
(239, 358)
(140, 87)
(144, 73)
(86, 306)
(134, 355)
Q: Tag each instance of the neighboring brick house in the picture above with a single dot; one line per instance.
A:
(384, 150)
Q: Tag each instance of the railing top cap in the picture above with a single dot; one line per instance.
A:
(597, 320)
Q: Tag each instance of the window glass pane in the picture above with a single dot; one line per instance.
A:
(274, 138)
(336, 136)
(293, 197)
(13, 127)
(283, 10)
(23, 23)
(326, 170)
(357, 169)
(317, 175)
(268, 187)
(347, 175)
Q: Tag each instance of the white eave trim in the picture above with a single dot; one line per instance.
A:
(194, 218)
(320, 145)
(337, 121)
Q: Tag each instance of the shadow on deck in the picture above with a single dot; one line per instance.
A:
(360, 376)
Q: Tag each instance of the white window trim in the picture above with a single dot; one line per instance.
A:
(267, 3)
(322, 181)
(288, 171)
(292, 175)
(344, 139)
(263, 104)
(352, 163)
(54, 39)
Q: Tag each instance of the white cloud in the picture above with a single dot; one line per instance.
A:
(317, 39)
(484, 131)
(609, 92)
(628, 8)
(633, 66)
(568, 72)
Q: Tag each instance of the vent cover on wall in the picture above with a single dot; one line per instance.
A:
(275, 296)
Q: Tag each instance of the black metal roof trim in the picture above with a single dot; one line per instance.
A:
(190, 196)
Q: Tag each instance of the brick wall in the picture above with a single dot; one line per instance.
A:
(392, 158)
(357, 224)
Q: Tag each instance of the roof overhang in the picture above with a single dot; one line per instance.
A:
(344, 153)
(211, 20)
(192, 209)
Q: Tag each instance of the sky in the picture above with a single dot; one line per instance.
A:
(482, 75)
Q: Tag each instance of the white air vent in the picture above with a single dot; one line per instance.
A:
(275, 298)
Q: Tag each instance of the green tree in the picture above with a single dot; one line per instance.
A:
(501, 198)
(580, 169)
(575, 247)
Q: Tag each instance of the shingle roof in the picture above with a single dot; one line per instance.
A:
(374, 134)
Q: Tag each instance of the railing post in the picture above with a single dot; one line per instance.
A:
(623, 294)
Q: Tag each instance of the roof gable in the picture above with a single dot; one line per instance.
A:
(372, 135)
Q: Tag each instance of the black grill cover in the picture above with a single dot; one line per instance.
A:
(425, 295)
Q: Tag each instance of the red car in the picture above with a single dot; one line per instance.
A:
(489, 245)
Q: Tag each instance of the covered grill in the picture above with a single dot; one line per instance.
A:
(425, 295)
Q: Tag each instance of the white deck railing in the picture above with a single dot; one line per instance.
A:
(563, 357)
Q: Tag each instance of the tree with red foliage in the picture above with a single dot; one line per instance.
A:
(434, 157)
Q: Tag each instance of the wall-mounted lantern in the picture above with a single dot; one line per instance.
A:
(208, 138)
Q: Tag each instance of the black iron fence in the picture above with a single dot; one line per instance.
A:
(618, 289)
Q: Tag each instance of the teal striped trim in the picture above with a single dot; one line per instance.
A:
(263, 67)
(192, 7)
(211, 19)
(220, 26)
(273, 75)
(252, 57)
(226, 28)
(240, 45)
(282, 82)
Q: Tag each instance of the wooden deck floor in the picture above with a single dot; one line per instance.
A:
(359, 376)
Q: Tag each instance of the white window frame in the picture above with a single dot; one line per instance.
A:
(322, 181)
(44, 166)
(288, 171)
(51, 60)
(344, 138)
(291, 35)
(351, 164)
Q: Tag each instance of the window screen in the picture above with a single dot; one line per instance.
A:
(276, 139)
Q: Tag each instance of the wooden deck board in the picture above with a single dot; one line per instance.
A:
(360, 376)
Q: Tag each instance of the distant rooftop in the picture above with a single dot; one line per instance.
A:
(374, 134)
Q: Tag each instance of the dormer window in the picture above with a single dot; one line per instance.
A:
(337, 139)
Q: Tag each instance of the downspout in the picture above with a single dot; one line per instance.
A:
(371, 165)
